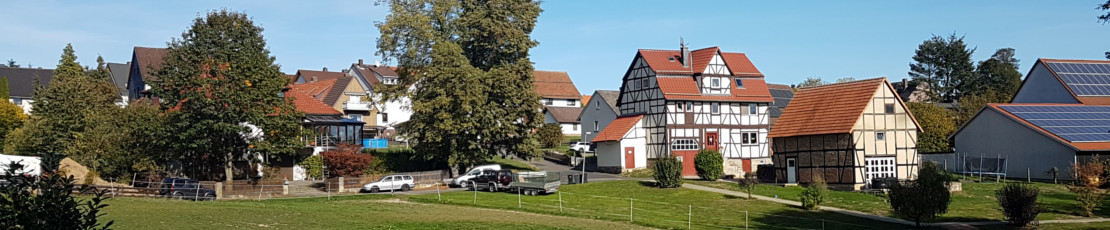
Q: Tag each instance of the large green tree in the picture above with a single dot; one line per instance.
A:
(812, 82)
(121, 141)
(486, 41)
(60, 111)
(937, 124)
(998, 74)
(945, 63)
(217, 80)
(11, 117)
(4, 93)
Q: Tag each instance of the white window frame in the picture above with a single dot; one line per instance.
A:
(596, 128)
(385, 117)
(739, 84)
(715, 82)
(753, 109)
(880, 136)
(715, 108)
(689, 106)
(684, 144)
(880, 167)
(575, 127)
(679, 107)
(645, 83)
(749, 138)
(888, 108)
(357, 117)
(548, 101)
(597, 105)
(570, 102)
(639, 85)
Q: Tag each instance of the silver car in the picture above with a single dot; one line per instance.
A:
(390, 182)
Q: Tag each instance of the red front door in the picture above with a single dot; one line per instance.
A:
(629, 157)
(687, 158)
(711, 140)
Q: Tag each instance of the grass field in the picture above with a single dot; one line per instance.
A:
(512, 164)
(662, 208)
(975, 203)
(349, 212)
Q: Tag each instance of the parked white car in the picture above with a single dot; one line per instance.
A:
(582, 147)
(464, 179)
(391, 182)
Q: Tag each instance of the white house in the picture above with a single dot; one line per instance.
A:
(388, 114)
(556, 89)
(566, 117)
(625, 135)
(21, 84)
(598, 112)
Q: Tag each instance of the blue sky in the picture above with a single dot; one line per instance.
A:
(595, 40)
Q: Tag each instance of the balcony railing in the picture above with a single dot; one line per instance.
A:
(357, 106)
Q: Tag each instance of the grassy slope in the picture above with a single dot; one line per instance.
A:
(664, 208)
(975, 203)
(512, 164)
(351, 212)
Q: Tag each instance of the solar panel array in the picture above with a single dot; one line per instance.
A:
(1085, 79)
(1073, 123)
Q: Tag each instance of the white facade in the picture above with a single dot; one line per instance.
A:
(561, 102)
(628, 153)
(568, 128)
(24, 103)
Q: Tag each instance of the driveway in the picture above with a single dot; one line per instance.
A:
(591, 171)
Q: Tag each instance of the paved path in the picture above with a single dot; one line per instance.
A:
(591, 171)
(946, 225)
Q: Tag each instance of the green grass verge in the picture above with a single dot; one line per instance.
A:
(349, 212)
(513, 164)
(662, 208)
(975, 203)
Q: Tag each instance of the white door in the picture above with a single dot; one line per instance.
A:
(791, 171)
(879, 167)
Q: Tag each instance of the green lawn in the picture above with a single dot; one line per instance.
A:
(350, 212)
(513, 164)
(662, 208)
(975, 203)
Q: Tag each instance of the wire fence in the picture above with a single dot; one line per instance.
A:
(650, 212)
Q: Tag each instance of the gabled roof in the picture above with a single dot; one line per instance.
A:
(828, 109)
(686, 88)
(1091, 89)
(585, 98)
(21, 81)
(320, 75)
(610, 97)
(318, 90)
(670, 62)
(368, 71)
(337, 89)
(555, 84)
(618, 128)
(564, 114)
(782, 95)
(119, 72)
(1010, 110)
(149, 60)
(306, 103)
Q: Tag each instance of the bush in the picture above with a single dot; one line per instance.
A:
(346, 161)
(709, 164)
(402, 160)
(550, 135)
(814, 194)
(668, 172)
(765, 172)
(1019, 203)
(1088, 178)
(48, 202)
(313, 167)
(748, 183)
(924, 198)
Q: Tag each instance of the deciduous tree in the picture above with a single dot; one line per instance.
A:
(217, 80)
(811, 82)
(945, 63)
(998, 74)
(937, 124)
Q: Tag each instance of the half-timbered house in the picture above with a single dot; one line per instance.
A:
(847, 134)
(700, 99)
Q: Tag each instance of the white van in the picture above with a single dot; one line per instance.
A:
(462, 180)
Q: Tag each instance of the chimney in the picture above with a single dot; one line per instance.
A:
(685, 53)
(377, 63)
(325, 69)
(905, 84)
(360, 61)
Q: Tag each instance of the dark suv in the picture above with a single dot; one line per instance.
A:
(179, 188)
(493, 180)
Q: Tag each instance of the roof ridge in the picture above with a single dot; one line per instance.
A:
(1071, 60)
(843, 83)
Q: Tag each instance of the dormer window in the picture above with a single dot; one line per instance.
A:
(739, 84)
(716, 82)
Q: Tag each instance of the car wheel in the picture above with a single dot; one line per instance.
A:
(209, 196)
(374, 189)
(492, 187)
(404, 187)
(463, 184)
(178, 195)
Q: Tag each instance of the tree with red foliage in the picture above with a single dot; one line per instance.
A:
(346, 160)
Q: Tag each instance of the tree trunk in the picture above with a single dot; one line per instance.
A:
(228, 170)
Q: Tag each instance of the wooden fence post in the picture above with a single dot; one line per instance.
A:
(220, 190)
(340, 185)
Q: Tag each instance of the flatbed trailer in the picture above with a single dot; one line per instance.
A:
(536, 183)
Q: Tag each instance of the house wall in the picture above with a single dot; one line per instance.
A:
(595, 110)
(899, 130)
(24, 103)
(991, 134)
(832, 157)
(610, 154)
(135, 82)
(1043, 87)
(648, 100)
(561, 102)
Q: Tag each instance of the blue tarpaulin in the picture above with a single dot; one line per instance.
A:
(379, 143)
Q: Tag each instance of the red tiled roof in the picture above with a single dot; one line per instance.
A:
(302, 99)
(320, 75)
(149, 60)
(685, 88)
(318, 90)
(1084, 146)
(670, 61)
(555, 84)
(585, 99)
(616, 129)
(827, 109)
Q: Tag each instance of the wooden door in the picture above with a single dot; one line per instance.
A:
(629, 157)
(711, 141)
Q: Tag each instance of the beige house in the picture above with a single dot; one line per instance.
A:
(846, 133)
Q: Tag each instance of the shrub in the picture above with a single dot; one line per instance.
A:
(814, 194)
(921, 199)
(48, 202)
(550, 135)
(709, 164)
(668, 172)
(748, 183)
(1019, 203)
(765, 172)
(313, 167)
(346, 161)
(402, 160)
(1088, 177)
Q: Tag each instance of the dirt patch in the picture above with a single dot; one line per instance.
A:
(71, 168)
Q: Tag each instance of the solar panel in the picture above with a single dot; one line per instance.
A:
(1084, 79)
(1072, 123)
